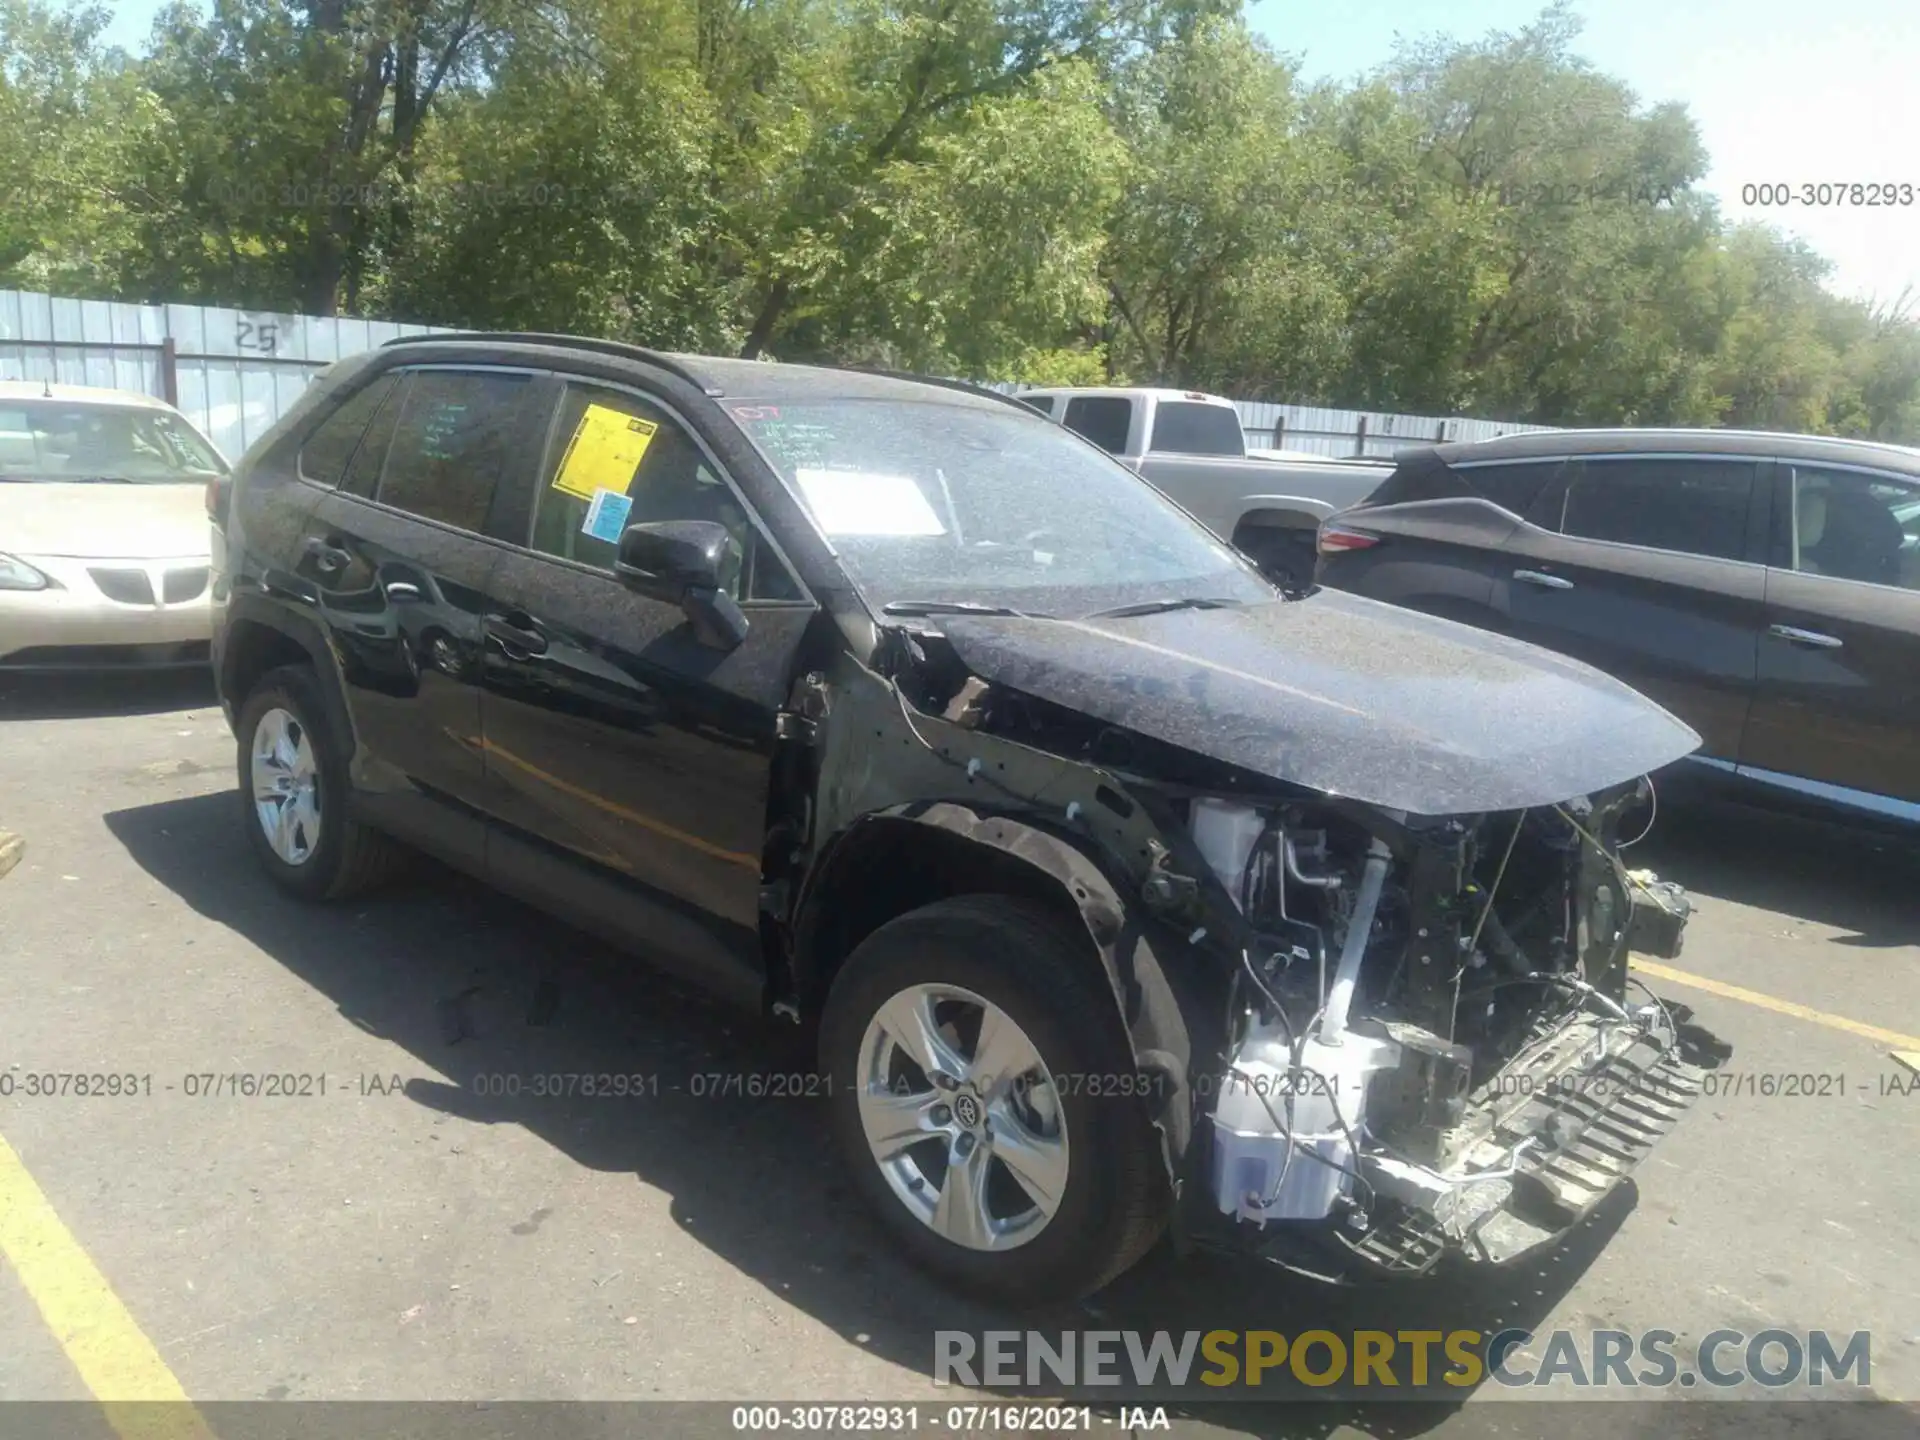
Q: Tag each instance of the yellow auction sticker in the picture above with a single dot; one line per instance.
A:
(606, 448)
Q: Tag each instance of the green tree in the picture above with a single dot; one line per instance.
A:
(1217, 183)
(69, 115)
(284, 169)
(1041, 189)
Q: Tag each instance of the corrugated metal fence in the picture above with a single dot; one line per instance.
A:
(1320, 431)
(234, 372)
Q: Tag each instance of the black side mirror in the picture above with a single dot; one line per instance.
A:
(680, 562)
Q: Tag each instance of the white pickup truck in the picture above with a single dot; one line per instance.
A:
(1268, 505)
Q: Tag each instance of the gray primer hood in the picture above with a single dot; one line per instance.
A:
(1343, 695)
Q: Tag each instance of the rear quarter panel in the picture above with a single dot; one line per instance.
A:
(1219, 492)
(1437, 556)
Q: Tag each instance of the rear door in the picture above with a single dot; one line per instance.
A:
(1651, 568)
(633, 761)
(398, 558)
(1837, 707)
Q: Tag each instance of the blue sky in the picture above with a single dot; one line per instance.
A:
(1783, 91)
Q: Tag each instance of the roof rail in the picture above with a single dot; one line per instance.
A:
(572, 342)
(967, 386)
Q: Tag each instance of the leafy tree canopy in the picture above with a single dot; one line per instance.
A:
(1050, 190)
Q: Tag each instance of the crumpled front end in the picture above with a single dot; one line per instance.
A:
(1434, 1044)
(1368, 1036)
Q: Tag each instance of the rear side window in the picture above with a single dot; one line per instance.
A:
(370, 456)
(1042, 403)
(329, 449)
(1698, 507)
(1188, 427)
(1514, 488)
(1853, 526)
(449, 444)
(1103, 419)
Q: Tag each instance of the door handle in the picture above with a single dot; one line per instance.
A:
(327, 555)
(402, 590)
(519, 641)
(1543, 580)
(1805, 637)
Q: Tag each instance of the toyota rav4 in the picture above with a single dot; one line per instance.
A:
(1126, 894)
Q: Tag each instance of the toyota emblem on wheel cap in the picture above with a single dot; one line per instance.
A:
(966, 1110)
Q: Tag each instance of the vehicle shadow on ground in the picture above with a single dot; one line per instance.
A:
(62, 695)
(1858, 881)
(473, 984)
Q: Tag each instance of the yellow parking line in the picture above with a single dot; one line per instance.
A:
(1779, 1007)
(117, 1362)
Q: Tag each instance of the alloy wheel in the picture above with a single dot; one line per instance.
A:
(286, 786)
(962, 1116)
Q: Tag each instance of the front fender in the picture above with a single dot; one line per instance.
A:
(1164, 1006)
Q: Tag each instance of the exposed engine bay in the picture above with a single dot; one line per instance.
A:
(1430, 1043)
(1433, 1015)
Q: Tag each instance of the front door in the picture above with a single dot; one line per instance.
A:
(400, 567)
(631, 761)
(1644, 567)
(1835, 712)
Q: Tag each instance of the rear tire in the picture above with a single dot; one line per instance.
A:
(1286, 557)
(316, 850)
(1068, 1186)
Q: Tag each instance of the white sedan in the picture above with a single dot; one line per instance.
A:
(104, 539)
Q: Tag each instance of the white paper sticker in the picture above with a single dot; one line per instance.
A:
(857, 502)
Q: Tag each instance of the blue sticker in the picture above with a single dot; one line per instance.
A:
(607, 515)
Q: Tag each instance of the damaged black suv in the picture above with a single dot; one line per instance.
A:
(1125, 892)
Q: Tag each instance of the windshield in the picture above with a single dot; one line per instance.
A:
(1192, 427)
(928, 501)
(54, 440)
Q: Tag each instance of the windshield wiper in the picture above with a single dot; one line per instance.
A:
(1159, 607)
(954, 607)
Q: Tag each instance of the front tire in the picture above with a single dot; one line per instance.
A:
(984, 1098)
(294, 794)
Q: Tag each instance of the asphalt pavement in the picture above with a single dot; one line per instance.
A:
(392, 1225)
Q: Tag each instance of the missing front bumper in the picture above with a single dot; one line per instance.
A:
(1567, 1137)
(1588, 1134)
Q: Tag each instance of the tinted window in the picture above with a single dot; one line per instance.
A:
(616, 460)
(1515, 487)
(1855, 527)
(1186, 427)
(329, 449)
(1695, 506)
(1102, 419)
(370, 456)
(453, 433)
(1042, 403)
